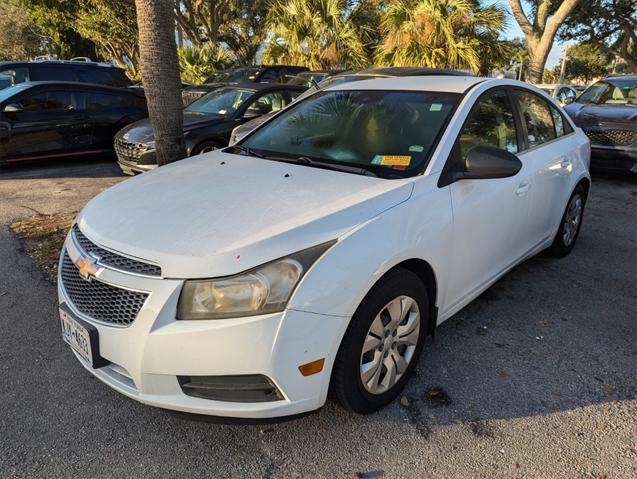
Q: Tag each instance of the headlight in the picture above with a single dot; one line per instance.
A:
(262, 290)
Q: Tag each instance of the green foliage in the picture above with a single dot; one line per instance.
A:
(19, 37)
(196, 64)
(112, 26)
(586, 62)
(314, 33)
(246, 28)
(439, 33)
(56, 20)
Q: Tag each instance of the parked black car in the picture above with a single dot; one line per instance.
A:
(311, 78)
(249, 74)
(607, 112)
(12, 73)
(208, 122)
(40, 120)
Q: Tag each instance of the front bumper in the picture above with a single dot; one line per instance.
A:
(614, 158)
(131, 168)
(146, 357)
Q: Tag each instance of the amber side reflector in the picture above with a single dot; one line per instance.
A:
(312, 368)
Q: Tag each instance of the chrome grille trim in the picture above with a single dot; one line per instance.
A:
(129, 151)
(113, 260)
(97, 300)
(611, 137)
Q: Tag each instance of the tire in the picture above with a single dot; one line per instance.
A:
(570, 225)
(205, 147)
(348, 387)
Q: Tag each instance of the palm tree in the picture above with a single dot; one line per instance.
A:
(438, 33)
(314, 33)
(160, 76)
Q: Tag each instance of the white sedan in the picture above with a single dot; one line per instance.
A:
(319, 252)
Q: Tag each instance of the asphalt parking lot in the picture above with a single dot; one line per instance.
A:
(537, 377)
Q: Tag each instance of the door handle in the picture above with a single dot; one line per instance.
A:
(523, 188)
(565, 163)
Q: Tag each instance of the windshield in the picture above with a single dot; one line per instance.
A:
(243, 75)
(12, 90)
(391, 133)
(222, 102)
(611, 92)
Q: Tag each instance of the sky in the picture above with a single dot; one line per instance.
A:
(514, 32)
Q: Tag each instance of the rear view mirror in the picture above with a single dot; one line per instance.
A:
(13, 108)
(485, 162)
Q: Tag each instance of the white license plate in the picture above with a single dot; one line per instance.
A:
(77, 336)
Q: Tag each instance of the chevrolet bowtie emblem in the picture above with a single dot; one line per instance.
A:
(87, 268)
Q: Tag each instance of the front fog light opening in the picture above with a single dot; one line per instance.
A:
(248, 388)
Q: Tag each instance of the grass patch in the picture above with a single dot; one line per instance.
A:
(43, 237)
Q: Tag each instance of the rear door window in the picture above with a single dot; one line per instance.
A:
(537, 117)
(49, 101)
(53, 72)
(93, 75)
(491, 122)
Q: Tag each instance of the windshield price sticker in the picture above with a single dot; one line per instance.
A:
(395, 161)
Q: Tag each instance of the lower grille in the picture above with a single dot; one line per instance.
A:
(611, 137)
(98, 300)
(129, 151)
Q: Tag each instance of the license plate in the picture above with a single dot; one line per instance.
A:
(76, 336)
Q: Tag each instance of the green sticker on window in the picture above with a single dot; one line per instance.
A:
(435, 107)
(417, 148)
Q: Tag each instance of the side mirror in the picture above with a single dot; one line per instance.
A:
(13, 108)
(484, 162)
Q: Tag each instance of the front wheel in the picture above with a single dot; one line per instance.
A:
(571, 223)
(382, 343)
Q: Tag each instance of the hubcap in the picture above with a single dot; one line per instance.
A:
(390, 344)
(572, 220)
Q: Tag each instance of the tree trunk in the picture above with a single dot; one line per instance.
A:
(160, 77)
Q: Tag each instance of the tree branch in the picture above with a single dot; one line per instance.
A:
(521, 18)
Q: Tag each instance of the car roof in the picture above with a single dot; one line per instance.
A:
(442, 83)
(58, 62)
(77, 84)
(255, 87)
(409, 71)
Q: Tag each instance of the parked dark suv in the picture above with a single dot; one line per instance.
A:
(41, 120)
(12, 73)
(607, 112)
(249, 74)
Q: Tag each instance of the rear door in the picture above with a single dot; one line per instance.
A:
(487, 213)
(550, 150)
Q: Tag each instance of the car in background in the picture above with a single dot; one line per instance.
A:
(317, 256)
(248, 74)
(607, 112)
(564, 94)
(345, 77)
(208, 122)
(75, 70)
(312, 78)
(42, 120)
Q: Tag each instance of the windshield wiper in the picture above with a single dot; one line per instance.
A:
(248, 151)
(304, 160)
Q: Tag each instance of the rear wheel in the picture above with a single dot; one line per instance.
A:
(571, 223)
(382, 343)
(205, 147)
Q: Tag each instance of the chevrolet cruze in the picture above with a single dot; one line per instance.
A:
(317, 254)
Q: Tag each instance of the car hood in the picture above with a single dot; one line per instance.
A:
(585, 114)
(141, 131)
(219, 214)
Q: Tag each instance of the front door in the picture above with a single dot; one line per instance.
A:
(487, 213)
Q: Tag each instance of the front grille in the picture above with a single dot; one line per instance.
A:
(611, 137)
(187, 96)
(98, 300)
(129, 151)
(114, 260)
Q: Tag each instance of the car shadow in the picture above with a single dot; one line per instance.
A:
(93, 167)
